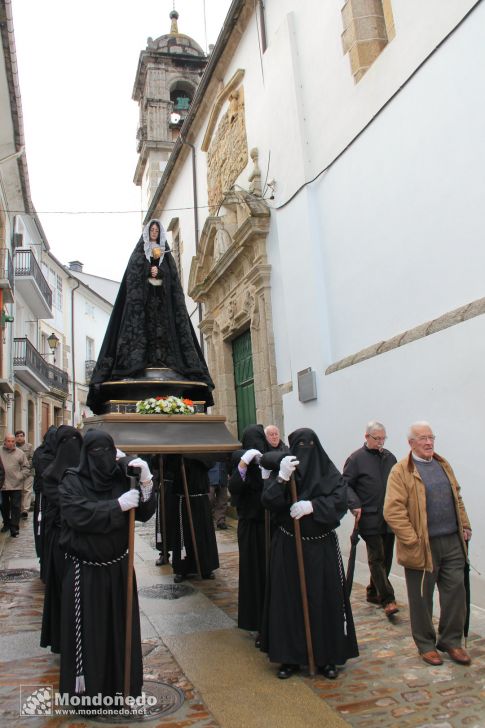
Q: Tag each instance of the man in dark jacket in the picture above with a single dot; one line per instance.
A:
(366, 472)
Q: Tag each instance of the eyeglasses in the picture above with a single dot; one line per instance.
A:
(378, 439)
(424, 438)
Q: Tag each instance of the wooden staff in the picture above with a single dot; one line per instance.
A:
(189, 514)
(162, 513)
(303, 589)
(129, 592)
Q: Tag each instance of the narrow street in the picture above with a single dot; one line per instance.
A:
(192, 643)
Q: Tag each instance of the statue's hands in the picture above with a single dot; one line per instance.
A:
(153, 271)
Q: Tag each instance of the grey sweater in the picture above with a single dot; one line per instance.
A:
(440, 507)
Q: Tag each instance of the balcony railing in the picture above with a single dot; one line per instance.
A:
(26, 357)
(57, 378)
(27, 265)
(6, 275)
(89, 365)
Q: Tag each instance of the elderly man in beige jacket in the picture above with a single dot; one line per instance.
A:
(16, 468)
(424, 508)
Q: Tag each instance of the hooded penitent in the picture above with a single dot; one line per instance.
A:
(43, 456)
(68, 443)
(283, 634)
(98, 464)
(149, 325)
(246, 489)
(316, 474)
(95, 538)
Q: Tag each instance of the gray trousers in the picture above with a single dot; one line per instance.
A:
(448, 576)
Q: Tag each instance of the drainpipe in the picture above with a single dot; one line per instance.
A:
(262, 25)
(196, 223)
(73, 352)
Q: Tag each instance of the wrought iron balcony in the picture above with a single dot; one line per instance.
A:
(31, 369)
(6, 275)
(58, 379)
(32, 285)
(89, 365)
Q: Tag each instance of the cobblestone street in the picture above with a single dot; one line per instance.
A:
(192, 643)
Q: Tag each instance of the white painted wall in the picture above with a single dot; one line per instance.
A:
(387, 238)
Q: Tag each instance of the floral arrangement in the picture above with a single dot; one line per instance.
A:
(165, 406)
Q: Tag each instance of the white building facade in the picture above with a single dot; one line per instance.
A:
(333, 159)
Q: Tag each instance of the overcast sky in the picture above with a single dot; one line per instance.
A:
(77, 63)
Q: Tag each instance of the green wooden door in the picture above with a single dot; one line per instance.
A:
(242, 355)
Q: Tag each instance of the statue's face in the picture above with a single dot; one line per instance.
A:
(154, 232)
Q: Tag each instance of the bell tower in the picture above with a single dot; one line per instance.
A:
(169, 70)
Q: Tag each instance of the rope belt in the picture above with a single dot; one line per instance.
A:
(80, 686)
(340, 563)
(342, 580)
(39, 514)
(306, 538)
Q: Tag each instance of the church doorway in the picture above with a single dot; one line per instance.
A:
(242, 356)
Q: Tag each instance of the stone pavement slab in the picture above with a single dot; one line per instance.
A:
(240, 688)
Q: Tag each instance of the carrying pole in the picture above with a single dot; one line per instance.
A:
(129, 593)
(162, 512)
(189, 514)
(303, 589)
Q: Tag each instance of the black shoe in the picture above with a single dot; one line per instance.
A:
(287, 671)
(161, 561)
(178, 578)
(257, 642)
(4, 529)
(374, 599)
(14, 534)
(210, 575)
(222, 526)
(24, 515)
(329, 671)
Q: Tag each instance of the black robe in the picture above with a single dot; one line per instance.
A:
(332, 627)
(251, 537)
(42, 458)
(95, 529)
(149, 326)
(180, 539)
(68, 451)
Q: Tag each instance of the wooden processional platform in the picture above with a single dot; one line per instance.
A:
(166, 434)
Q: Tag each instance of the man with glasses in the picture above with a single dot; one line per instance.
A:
(424, 508)
(366, 472)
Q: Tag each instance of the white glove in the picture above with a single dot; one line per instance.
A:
(287, 467)
(130, 499)
(120, 454)
(301, 508)
(145, 473)
(250, 455)
(264, 473)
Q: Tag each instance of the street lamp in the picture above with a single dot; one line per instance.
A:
(53, 341)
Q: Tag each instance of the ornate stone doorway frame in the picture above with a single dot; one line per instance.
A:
(231, 277)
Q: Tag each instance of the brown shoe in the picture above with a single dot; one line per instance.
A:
(390, 609)
(432, 658)
(459, 655)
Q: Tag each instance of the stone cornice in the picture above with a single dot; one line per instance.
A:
(452, 318)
